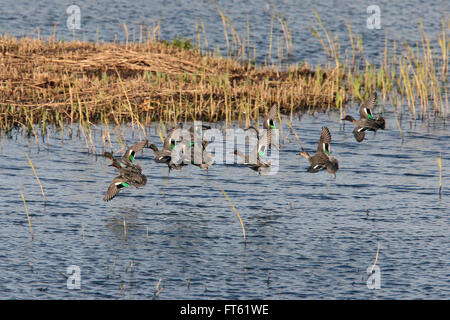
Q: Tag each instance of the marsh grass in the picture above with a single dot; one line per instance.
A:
(144, 80)
(295, 133)
(70, 84)
(413, 76)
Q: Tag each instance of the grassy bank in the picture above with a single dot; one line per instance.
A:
(61, 83)
(66, 82)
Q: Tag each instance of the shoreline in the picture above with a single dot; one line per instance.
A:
(65, 82)
(55, 81)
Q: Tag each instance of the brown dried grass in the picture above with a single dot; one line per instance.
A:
(65, 82)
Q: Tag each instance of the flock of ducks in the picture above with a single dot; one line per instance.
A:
(130, 174)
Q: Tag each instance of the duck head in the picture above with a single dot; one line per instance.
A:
(349, 118)
(153, 147)
(304, 154)
(116, 164)
(109, 155)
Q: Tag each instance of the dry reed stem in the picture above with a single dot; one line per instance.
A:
(237, 213)
(122, 288)
(37, 178)
(440, 173)
(295, 133)
(90, 83)
(124, 229)
(376, 258)
(158, 288)
(28, 216)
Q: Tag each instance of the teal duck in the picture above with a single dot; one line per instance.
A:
(196, 133)
(259, 151)
(129, 176)
(367, 121)
(269, 125)
(165, 155)
(197, 154)
(321, 159)
(127, 160)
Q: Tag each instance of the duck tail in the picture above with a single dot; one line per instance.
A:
(381, 123)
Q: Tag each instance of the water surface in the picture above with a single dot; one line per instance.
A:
(308, 235)
(103, 21)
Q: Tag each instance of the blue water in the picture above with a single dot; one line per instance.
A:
(308, 235)
(103, 21)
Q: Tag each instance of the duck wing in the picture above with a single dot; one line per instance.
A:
(359, 133)
(365, 111)
(171, 138)
(324, 145)
(115, 186)
(131, 151)
(269, 119)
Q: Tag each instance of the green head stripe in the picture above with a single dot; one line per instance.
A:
(116, 164)
(108, 155)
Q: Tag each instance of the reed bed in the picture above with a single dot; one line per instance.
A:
(412, 77)
(79, 83)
